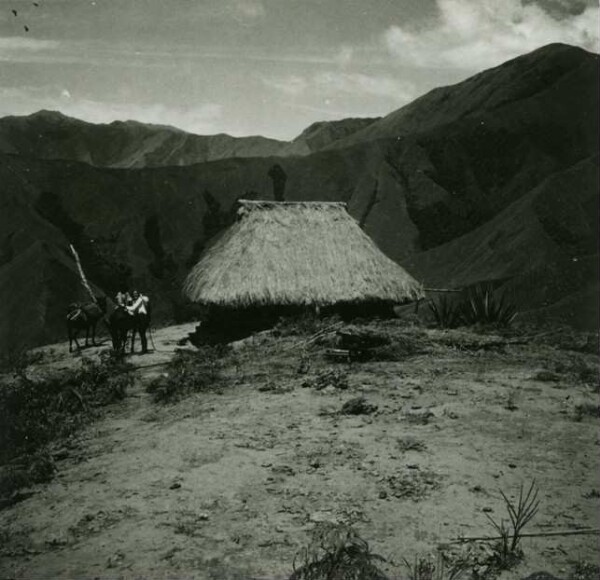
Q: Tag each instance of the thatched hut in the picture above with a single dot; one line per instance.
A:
(280, 257)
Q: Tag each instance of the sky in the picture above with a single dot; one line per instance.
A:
(261, 67)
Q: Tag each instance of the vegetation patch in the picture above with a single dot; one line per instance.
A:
(35, 412)
(328, 378)
(479, 306)
(337, 551)
(411, 444)
(414, 484)
(587, 410)
(190, 372)
(358, 406)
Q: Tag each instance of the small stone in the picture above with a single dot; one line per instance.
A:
(487, 510)
(383, 494)
(175, 485)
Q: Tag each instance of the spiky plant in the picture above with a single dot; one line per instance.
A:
(507, 549)
(482, 306)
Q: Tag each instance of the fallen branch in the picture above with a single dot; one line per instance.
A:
(588, 531)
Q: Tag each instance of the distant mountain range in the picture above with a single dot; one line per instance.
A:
(492, 179)
(129, 144)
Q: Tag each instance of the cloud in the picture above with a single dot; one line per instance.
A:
(335, 83)
(363, 84)
(204, 118)
(478, 34)
(291, 85)
(12, 44)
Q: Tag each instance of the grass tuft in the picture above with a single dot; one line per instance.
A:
(337, 552)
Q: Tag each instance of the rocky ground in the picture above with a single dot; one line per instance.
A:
(229, 483)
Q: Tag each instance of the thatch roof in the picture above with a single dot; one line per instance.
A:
(296, 253)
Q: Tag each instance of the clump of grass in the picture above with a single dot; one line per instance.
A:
(336, 551)
(584, 571)
(587, 410)
(436, 568)
(446, 312)
(35, 412)
(546, 376)
(411, 444)
(358, 406)
(190, 372)
(327, 378)
(413, 484)
(507, 550)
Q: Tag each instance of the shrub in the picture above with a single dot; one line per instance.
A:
(189, 372)
(336, 551)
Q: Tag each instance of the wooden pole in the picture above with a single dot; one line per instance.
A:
(441, 290)
(530, 535)
(84, 281)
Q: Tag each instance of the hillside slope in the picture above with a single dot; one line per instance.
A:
(506, 194)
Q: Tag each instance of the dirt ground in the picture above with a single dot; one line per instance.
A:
(228, 485)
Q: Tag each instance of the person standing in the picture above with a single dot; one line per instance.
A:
(140, 308)
(123, 299)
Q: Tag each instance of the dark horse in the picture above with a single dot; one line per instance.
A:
(120, 322)
(85, 317)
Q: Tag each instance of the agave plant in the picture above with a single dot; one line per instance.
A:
(482, 306)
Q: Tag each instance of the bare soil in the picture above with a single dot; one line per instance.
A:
(229, 485)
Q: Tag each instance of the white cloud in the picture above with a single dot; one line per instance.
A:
(12, 44)
(478, 34)
(335, 83)
(362, 84)
(291, 85)
(202, 119)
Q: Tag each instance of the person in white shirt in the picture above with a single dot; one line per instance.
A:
(140, 308)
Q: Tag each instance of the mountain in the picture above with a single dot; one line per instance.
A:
(543, 87)
(503, 188)
(129, 144)
(324, 133)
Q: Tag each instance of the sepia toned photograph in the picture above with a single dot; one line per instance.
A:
(299, 290)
